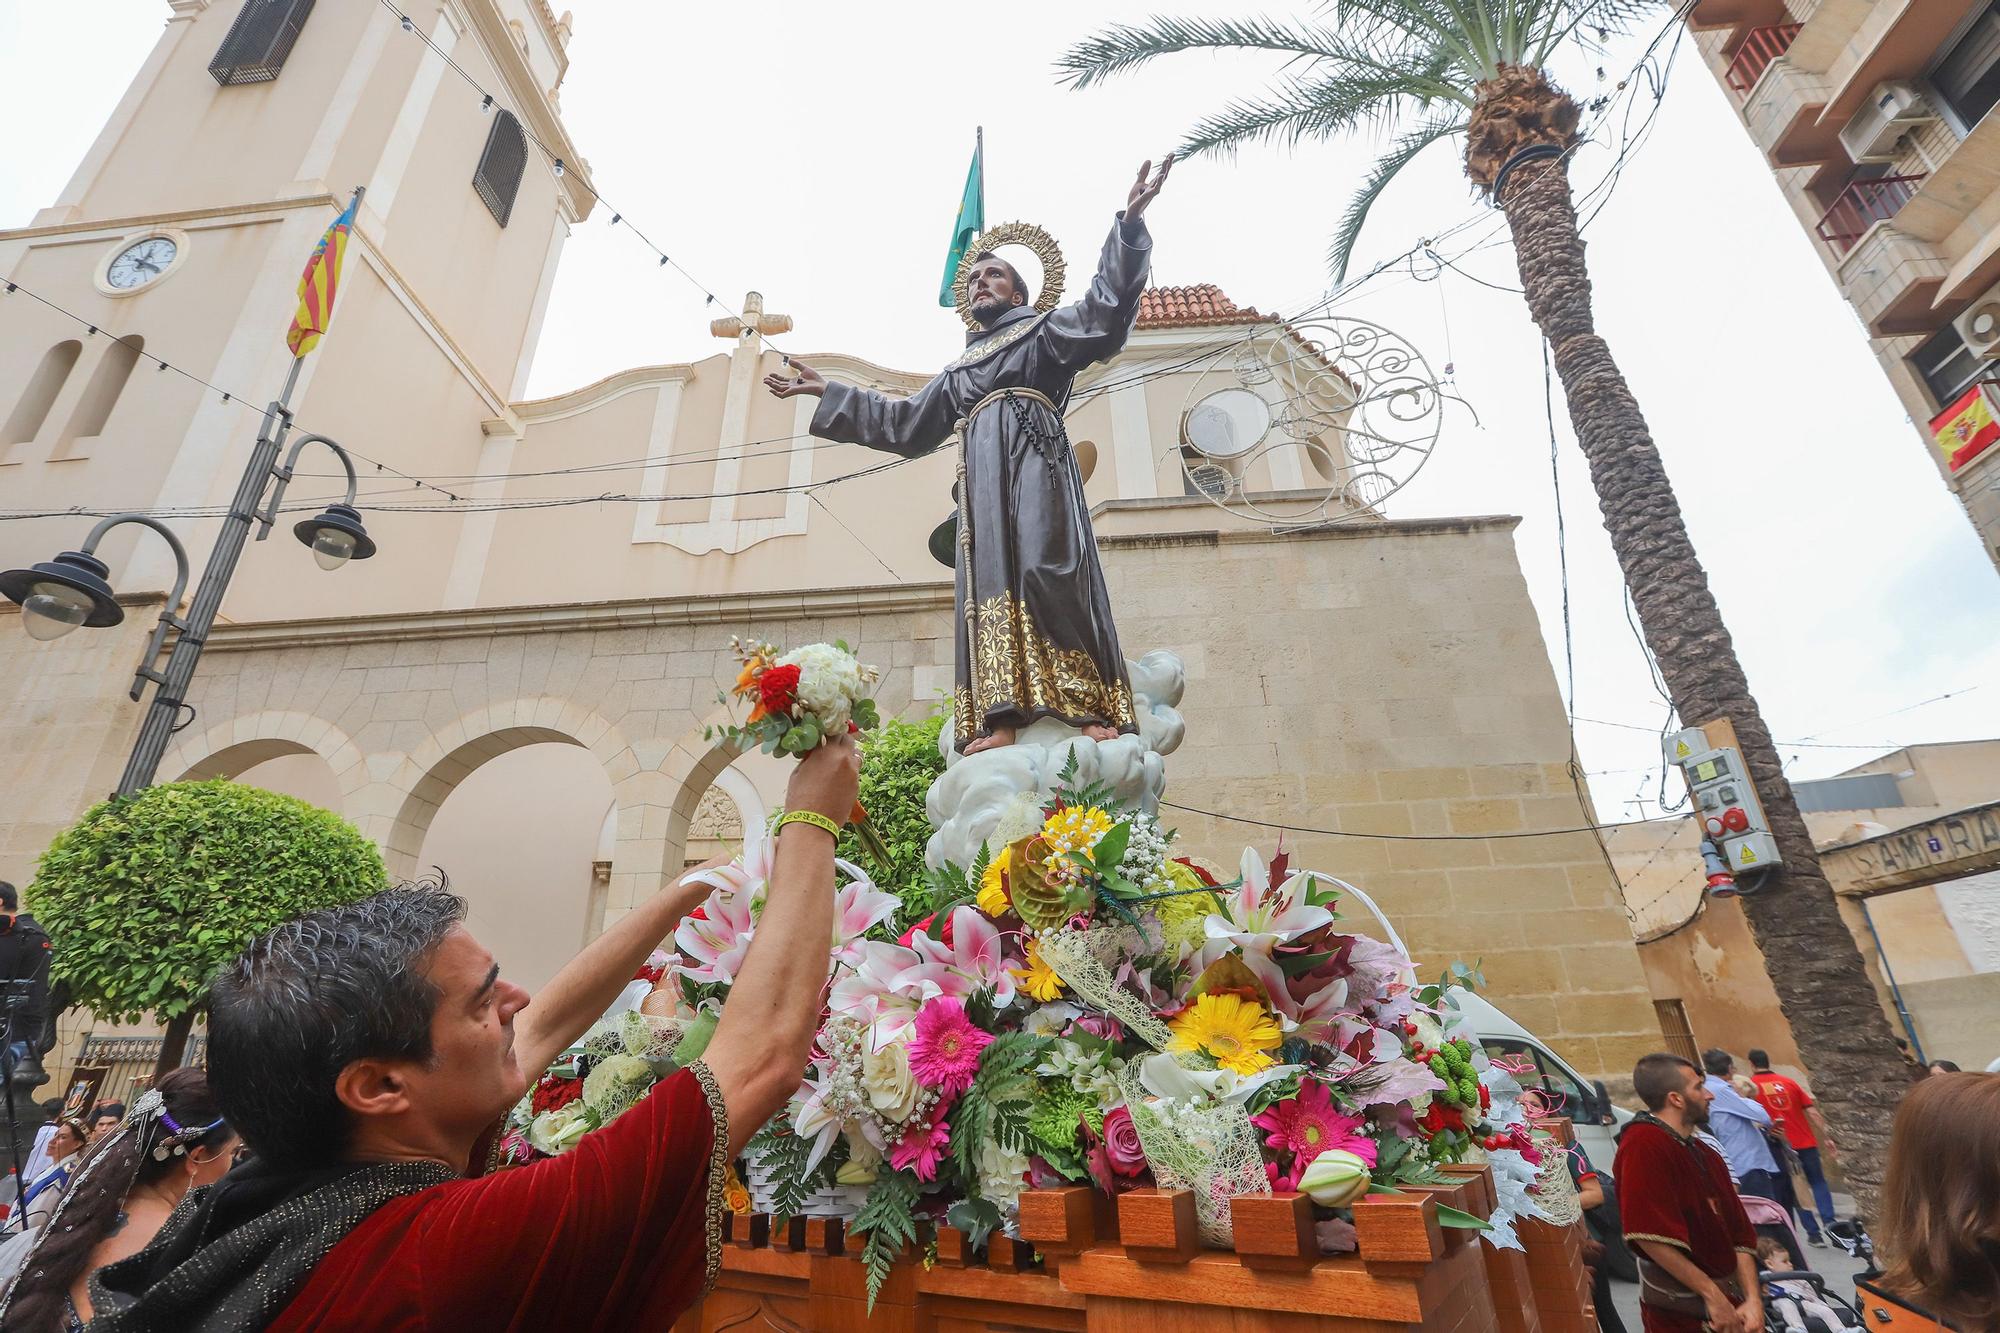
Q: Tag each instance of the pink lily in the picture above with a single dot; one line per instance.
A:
(713, 944)
(1255, 919)
(858, 907)
(975, 960)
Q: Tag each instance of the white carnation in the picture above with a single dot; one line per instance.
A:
(830, 681)
(1002, 1173)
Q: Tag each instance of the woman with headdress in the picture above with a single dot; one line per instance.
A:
(174, 1140)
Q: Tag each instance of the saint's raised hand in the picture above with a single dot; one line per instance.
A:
(1144, 191)
(804, 380)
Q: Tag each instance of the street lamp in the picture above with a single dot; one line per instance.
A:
(74, 589)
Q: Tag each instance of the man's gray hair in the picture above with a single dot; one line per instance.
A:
(308, 998)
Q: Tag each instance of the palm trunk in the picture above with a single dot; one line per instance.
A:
(1822, 986)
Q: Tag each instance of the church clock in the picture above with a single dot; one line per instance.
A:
(141, 262)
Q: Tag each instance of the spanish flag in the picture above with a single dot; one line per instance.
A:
(318, 282)
(1966, 429)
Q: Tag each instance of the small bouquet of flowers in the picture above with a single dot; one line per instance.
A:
(798, 702)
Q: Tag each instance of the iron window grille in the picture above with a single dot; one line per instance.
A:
(501, 166)
(259, 41)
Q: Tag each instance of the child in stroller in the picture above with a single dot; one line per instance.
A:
(1798, 1302)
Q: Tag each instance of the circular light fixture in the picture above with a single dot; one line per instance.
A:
(58, 595)
(1229, 423)
(335, 536)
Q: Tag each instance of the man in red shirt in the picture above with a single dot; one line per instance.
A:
(364, 1051)
(1697, 1253)
(1792, 1107)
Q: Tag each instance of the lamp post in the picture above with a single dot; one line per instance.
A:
(73, 589)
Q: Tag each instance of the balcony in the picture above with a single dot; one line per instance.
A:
(1863, 204)
(1734, 13)
(1759, 49)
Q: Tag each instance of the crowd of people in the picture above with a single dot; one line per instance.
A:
(1706, 1203)
(327, 1169)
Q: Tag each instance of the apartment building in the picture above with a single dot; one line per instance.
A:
(1875, 118)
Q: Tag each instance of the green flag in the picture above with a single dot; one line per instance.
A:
(971, 222)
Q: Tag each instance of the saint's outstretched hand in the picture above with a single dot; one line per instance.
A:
(1144, 191)
(806, 380)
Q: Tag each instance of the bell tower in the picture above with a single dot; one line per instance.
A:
(180, 239)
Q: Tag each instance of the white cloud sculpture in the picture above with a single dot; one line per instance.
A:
(998, 790)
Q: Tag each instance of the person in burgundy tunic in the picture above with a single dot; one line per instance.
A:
(1697, 1252)
(363, 1052)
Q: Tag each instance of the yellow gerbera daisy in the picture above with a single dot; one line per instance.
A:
(1075, 828)
(992, 898)
(1237, 1033)
(1038, 978)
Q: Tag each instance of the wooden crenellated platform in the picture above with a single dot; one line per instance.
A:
(1089, 1265)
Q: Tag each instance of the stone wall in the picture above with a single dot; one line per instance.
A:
(1385, 680)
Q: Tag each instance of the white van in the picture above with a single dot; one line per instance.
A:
(1589, 1107)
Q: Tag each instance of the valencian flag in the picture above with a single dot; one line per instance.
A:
(971, 221)
(1966, 429)
(318, 282)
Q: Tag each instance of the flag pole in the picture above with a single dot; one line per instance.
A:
(163, 713)
(979, 151)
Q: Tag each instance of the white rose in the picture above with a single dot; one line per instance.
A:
(886, 1078)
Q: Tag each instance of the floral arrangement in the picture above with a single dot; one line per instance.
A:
(798, 702)
(618, 1061)
(1088, 1007)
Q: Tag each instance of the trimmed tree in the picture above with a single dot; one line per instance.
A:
(1427, 71)
(899, 762)
(146, 896)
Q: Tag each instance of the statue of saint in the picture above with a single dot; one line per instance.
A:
(1035, 636)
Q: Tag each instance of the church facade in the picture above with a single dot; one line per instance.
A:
(518, 693)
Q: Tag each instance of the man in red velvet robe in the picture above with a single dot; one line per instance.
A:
(363, 1051)
(1698, 1254)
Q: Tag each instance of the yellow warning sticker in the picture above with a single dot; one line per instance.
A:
(1681, 750)
(1746, 856)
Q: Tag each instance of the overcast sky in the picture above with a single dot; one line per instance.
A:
(816, 153)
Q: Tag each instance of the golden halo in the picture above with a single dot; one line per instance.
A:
(1015, 233)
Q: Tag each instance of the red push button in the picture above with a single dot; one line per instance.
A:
(1735, 820)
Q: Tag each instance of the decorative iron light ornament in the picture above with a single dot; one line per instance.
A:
(1310, 422)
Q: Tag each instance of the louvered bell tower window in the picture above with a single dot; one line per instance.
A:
(501, 166)
(259, 40)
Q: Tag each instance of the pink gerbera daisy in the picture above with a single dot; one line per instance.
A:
(921, 1148)
(944, 1051)
(1309, 1124)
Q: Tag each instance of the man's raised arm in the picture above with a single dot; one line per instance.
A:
(759, 1050)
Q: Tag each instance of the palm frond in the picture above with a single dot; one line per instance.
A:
(1124, 47)
(1386, 168)
(1302, 110)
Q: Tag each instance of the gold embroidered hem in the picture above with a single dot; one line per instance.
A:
(1015, 670)
(718, 1172)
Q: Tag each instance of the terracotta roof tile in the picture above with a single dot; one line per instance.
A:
(1184, 307)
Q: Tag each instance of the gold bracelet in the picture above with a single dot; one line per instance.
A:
(813, 817)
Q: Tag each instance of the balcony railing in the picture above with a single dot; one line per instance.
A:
(1863, 204)
(1759, 49)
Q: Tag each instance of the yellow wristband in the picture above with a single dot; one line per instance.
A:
(813, 817)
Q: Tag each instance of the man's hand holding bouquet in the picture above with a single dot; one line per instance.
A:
(799, 701)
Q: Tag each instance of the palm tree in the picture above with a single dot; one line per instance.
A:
(1426, 70)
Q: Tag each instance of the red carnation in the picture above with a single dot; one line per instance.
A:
(778, 689)
(553, 1093)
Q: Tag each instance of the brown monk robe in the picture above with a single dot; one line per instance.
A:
(1035, 635)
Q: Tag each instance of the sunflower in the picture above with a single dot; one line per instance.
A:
(1038, 978)
(993, 898)
(1075, 828)
(1236, 1033)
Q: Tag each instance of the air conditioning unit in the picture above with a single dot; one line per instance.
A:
(1979, 326)
(1891, 112)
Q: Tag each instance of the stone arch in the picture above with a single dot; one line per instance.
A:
(240, 744)
(396, 809)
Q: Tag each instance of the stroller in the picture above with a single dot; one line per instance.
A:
(1800, 1303)
(1771, 1220)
